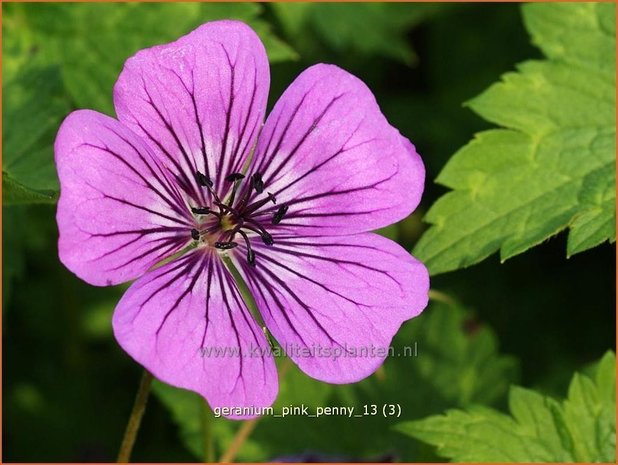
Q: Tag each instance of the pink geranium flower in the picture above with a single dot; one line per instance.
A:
(190, 166)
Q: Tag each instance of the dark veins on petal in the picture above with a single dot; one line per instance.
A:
(227, 207)
(218, 284)
(162, 240)
(250, 209)
(221, 216)
(234, 143)
(265, 281)
(271, 160)
(269, 286)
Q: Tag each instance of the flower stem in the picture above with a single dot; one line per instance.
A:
(248, 426)
(440, 296)
(135, 419)
(241, 436)
(209, 451)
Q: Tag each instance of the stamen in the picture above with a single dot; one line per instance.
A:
(225, 245)
(236, 217)
(201, 210)
(226, 209)
(250, 252)
(206, 182)
(257, 183)
(277, 217)
(266, 237)
(233, 177)
(203, 180)
(256, 205)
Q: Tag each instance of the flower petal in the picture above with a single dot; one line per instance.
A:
(118, 213)
(327, 296)
(199, 101)
(327, 151)
(187, 324)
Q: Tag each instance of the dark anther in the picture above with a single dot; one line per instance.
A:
(203, 180)
(234, 177)
(257, 182)
(225, 245)
(267, 238)
(200, 211)
(236, 218)
(280, 214)
(250, 252)
(251, 257)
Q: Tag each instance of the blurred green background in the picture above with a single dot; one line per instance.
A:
(67, 386)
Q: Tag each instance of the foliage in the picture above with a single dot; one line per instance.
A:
(554, 165)
(540, 429)
(31, 120)
(63, 370)
(330, 23)
(433, 376)
(79, 50)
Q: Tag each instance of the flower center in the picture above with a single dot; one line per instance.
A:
(227, 223)
(224, 223)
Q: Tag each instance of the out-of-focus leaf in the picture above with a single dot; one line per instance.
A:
(364, 28)
(96, 319)
(57, 52)
(13, 192)
(554, 167)
(32, 110)
(91, 41)
(539, 429)
(442, 358)
(277, 49)
(392, 232)
(18, 46)
(251, 13)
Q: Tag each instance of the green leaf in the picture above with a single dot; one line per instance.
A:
(14, 193)
(590, 413)
(456, 363)
(553, 167)
(187, 409)
(32, 111)
(539, 428)
(338, 25)
(251, 13)
(92, 41)
(59, 54)
(18, 47)
(597, 219)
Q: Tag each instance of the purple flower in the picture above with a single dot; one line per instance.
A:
(189, 172)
